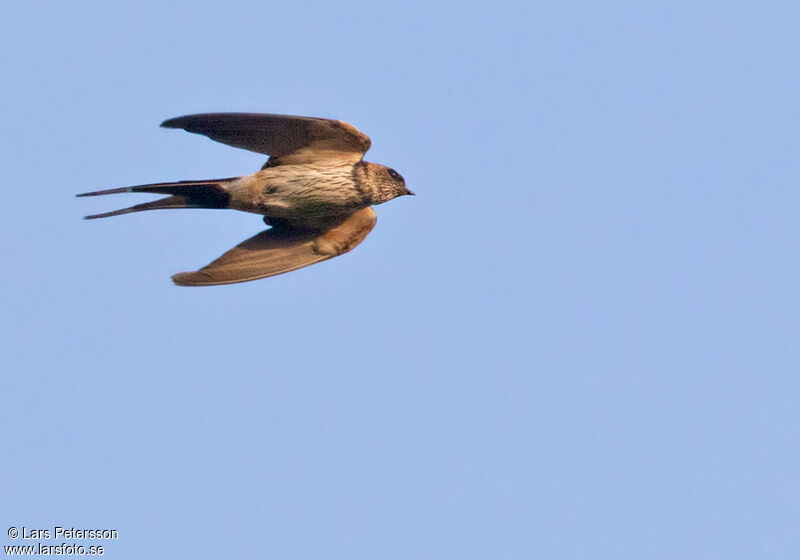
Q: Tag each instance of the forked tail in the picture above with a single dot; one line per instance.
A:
(184, 194)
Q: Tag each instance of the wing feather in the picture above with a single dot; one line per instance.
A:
(277, 250)
(279, 136)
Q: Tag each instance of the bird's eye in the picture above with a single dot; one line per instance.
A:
(395, 175)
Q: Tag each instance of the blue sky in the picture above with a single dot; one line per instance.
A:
(579, 340)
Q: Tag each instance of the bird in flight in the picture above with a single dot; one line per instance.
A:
(315, 192)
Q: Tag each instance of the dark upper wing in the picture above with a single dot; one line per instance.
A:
(276, 251)
(279, 136)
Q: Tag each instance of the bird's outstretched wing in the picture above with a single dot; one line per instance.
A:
(283, 137)
(279, 250)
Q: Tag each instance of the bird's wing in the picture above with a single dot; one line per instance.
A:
(283, 137)
(278, 250)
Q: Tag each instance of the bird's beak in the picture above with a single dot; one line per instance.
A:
(409, 192)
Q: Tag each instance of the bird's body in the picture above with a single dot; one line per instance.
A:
(315, 191)
(304, 195)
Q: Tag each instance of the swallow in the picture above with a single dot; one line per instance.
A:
(315, 192)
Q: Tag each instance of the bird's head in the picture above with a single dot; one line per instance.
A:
(388, 182)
